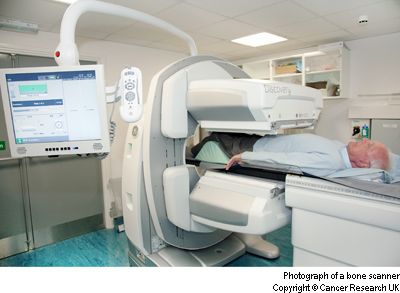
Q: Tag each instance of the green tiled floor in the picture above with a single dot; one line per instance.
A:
(108, 248)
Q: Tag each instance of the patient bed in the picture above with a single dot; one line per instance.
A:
(349, 219)
(342, 220)
(175, 217)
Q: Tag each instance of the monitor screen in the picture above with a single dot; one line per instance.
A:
(55, 110)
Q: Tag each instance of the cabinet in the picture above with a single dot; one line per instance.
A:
(326, 69)
(258, 70)
(288, 69)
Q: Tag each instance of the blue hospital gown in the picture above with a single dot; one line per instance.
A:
(314, 154)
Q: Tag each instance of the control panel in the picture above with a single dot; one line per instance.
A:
(360, 128)
(131, 108)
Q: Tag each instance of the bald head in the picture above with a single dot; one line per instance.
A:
(368, 154)
(379, 157)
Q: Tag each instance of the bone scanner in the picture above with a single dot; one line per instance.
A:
(175, 217)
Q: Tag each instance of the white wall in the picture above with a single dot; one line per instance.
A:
(374, 69)
(114, 56)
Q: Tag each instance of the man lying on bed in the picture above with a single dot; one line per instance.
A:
(314, 154)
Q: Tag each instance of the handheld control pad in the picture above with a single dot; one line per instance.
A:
(131, 108)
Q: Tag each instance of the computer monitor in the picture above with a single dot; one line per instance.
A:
(57, 110)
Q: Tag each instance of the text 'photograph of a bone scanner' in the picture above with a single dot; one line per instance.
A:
(172, 215)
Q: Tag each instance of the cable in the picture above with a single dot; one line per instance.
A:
(113, 125)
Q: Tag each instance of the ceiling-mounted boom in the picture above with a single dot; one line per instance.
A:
(67, 51)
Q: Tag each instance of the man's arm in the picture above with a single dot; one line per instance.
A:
(320, 164)
(234, 161)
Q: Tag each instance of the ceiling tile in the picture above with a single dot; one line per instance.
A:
(32, 11)
(375, 29)
(229, 29)
(285, 46)
(90, 34)
(188, 17)
(127, 40)
(223, 47)
(331, 7)
(204, 52)
(102, 22)
(326, 38)
(380, 11)
(306, 28)
(225, 56)
(202, 40)
(232, 8)
(248, 53)
(149, 6)
(175, 41)
(280, 14)
(144, 31)
(306, 23)
(164, 46)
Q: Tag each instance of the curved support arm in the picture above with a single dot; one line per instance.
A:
(67, 52)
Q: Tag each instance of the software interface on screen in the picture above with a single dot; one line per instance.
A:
(54, 106)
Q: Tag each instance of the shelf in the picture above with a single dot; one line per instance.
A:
(290, 58)
(283, 75)
(334, 98)
(322, 71)
(338, 59)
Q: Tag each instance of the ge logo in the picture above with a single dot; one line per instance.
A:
(135, 131)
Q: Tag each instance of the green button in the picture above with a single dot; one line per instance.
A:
(2, 145)
(19, 140)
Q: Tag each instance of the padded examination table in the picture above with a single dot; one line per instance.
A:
(335, 225)
(337, 221)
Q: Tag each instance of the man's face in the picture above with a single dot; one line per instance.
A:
(360, 148)
(360, 151)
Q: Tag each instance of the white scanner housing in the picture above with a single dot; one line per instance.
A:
(223, 103)
(264, 106)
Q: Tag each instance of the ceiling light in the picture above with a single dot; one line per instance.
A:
(260, 39)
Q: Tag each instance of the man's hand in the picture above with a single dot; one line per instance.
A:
(237, 159)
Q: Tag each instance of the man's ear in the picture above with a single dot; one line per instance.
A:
(363, 164)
